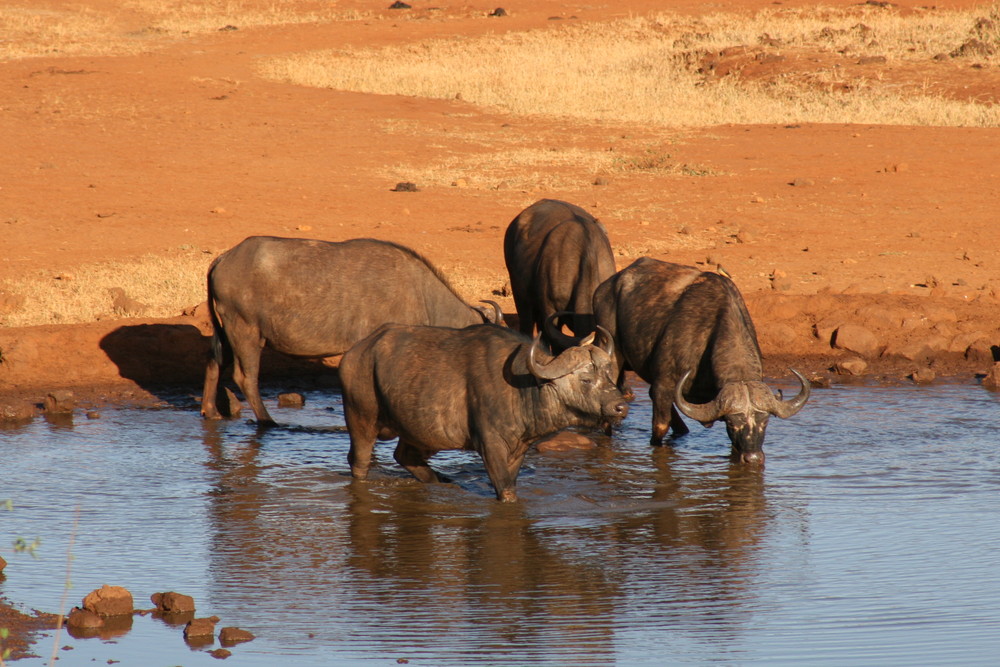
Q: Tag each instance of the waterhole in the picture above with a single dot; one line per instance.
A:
(870, 538)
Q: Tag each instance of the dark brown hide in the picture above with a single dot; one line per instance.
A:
(309, 298)
(437, 388)
(668, 320)
(556, 255)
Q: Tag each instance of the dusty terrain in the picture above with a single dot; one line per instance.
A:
(870, 245)
(185, 149)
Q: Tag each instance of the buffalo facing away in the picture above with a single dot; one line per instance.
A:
(556, 255)
(689, 335)
(483, 388)
(308, 298)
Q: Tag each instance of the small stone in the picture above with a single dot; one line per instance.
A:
(857, 339)
(218, 210)
(60, 401)
(399, 4)
(93, 414)
(820, 381)
(499, 11)
(405, 186)
(992, 379)
(460, 183)
(291, 400)
(851, 366)
(109, 601)
(3, 563)
(220, 653)
(744, 236)
(303, 228)
(565, 441)
(872, 60)
(684, 230)
(601, 180)
(923, 375)
(175, 603)
(201, 627)
(17, 413)
(803, 182)
(83, 619)
(756, 199)
(231, 635)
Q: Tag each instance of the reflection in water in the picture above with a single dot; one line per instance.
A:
(871, 544)
(436, 570)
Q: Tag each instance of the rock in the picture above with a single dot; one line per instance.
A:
(60, 401)
(406, 186)
(201, 627)
(856, 339)
(230, 635)
(992, 379)
(499, 11)
(565, 441)
(850, 366)
(601, 180)
(93, 414)
(400, 5)
(982, 352)
(123, 304)
(923, 375)
(84, 619)
(16, 413)
(3, 563)
(220, 653)
(291, 400)
(802, 182)
(173, 603)
(872, 60)
(460, 183)
(109, 601)
(973, 48)
(818, 381)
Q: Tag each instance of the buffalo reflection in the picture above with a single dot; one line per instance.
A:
(609, 540)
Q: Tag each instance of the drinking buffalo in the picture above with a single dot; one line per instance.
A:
(483, 388)
(311, 298)
(675, 323)
(556, 254)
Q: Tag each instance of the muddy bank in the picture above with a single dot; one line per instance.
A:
(834, 338)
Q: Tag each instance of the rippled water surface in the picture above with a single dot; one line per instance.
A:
(871, 538)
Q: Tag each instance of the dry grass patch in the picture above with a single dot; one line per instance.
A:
(28, 29)
(651, 70)
(153, 286)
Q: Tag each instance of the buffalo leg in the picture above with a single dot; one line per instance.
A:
(246, 372)
(209, 393)
(414, 460)
(363, 431)
(503, 470)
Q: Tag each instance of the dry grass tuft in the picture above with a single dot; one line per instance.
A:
(651, 70)
(149, 287)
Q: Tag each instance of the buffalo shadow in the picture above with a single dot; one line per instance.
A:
(168, 360)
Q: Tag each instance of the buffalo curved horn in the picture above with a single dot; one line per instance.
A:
(497, 313)
(785, 409)
(706, 413)
(555, 334)
(608, 341)
(557, 367)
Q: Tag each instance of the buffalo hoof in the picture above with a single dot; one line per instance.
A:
(507, 496)
(359, 473)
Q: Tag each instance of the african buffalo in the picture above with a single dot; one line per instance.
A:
(556, 254)
(671, 322)
(483, 388)
(310, 298)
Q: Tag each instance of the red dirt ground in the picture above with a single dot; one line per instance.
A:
(890, 228)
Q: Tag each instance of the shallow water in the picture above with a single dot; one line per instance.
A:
(870, 538)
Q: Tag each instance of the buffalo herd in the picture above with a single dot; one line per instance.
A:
(422, 365)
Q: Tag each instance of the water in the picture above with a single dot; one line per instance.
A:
(870, 539)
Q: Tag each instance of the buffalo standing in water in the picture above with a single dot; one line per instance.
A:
(672, 322)
(309, 298)
(483, 388)
(556, 254)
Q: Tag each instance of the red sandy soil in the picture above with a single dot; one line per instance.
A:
(892, 229)
(889, 228)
